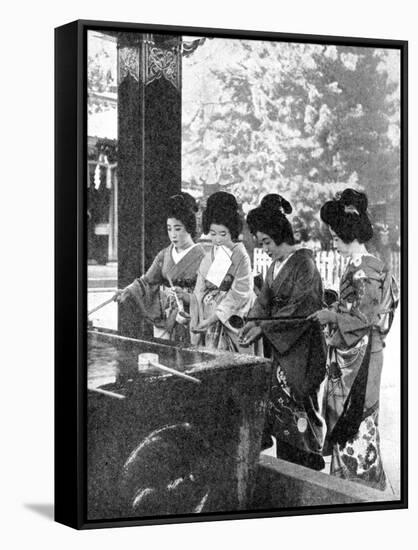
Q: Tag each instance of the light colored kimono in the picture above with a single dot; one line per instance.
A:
(233, 296)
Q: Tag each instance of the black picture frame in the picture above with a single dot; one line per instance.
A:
(71, 272)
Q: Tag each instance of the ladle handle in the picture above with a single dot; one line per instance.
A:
(103, 304)
(175, 372)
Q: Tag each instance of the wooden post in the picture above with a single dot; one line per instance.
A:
(149, 153)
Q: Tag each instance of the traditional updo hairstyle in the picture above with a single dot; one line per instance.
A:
(346, 215)
(222, 209)
(183, 207)
(270, 218)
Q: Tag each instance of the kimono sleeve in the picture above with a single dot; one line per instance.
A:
(145, 290)
(154, 274)
(196, 297)
(305, 298)
(199, 288)
(237, 300)
(262, 305)
(359, 307)
(307, 292)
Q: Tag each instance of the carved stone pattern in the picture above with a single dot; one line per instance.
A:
(163, 63)
(128, 62)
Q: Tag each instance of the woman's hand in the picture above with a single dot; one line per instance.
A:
(121, 295)
(249, 334)
(324, 316)
(182, 294)
(246, 328)
(204, 325)
(182, 318)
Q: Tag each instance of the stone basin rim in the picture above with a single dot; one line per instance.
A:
(229, 359)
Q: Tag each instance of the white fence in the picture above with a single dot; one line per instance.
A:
(330, 264)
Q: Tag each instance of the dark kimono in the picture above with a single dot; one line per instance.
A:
(299, 358)
(154, 298)
(368, 297)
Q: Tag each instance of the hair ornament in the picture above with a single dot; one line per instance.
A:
(351, 209)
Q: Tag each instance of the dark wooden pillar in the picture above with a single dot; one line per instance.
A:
(149, 152)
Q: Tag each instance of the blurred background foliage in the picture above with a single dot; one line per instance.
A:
(304, 120)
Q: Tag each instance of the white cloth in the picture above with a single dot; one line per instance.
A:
(220, 265)
(177, 256)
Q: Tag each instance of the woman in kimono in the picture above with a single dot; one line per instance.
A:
(224, 286)
(291, 292)
(358, 323)
(162, 295)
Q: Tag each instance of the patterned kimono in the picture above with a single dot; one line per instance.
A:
(368, 297)
(299, 357)
(234, 296)
(154, 298)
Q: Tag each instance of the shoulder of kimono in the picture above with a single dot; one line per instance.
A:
(372, 265)
(239, 250)
(369, 267)
(303, 252)
(303, 256)
(163, 252)
(200, 250)
(207, 256)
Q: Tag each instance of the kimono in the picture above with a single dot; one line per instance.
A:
(233, 296)
(299, 357)
(154, 297)
(368, 298)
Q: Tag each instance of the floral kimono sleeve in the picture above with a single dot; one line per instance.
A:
(360, 304)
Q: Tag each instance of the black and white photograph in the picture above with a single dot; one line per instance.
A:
(208, 299)
(244, 253)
